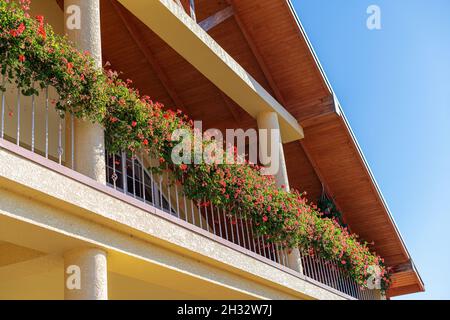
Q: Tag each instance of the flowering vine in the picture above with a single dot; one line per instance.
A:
(35, 57)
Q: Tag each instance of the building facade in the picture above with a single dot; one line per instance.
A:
(69, 207)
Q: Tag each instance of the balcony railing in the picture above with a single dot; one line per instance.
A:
(34, 124)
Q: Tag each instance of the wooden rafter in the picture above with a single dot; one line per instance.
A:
(165, 81)
(216, 18)
(230, 107)
(258, 56)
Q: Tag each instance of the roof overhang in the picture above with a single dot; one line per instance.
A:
(185, 36)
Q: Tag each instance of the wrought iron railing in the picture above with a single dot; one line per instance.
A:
(34, 124)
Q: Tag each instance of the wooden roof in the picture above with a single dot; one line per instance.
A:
(264, 37)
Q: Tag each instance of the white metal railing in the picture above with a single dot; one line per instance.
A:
(34, 124)
(330, 274)
(128, 174)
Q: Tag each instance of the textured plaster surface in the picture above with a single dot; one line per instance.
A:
(92, 263)
(89, 149)
(66, 206)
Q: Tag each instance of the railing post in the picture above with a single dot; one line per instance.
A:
(82, 25)
(269, 122)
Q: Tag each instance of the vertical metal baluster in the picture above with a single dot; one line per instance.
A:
(355, 289)
(319, 274)
(3, 106)
(316, 269)
(341, 279)
(220, 223)
(263, 246)
(192, 212)
(124, 173)
(206, 215)
(274, 252)
(242, 229)
(168, 190)
(200, 215)
(177, 201)
(285, 258)
(32, 120)
(114, 175)
(253, 237)
(306, 269)
(338, 275)
(152, 188)
(60, 148)
(133, 173)
(237, 230)
(225, 223)
(325, 272)
(231, 229)
(18, 117)
(72, 141)
(161, 203)
(185, 208)
(313, 271)
(143, 177)
(333, 275)
(277, 253)
(269, 251)
(248, 235)
(46, 122)
(328, 273)
(345, 282)
(212, 218)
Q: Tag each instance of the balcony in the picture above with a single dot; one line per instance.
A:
(31, 123)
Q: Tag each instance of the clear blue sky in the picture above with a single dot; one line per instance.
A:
(394, 86)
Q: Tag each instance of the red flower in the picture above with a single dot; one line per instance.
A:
(70, 67)
(17, 32)
(41, 29)
(145, 142)
(265, 218)
(22, 58)
(183, 167)
(134, 124)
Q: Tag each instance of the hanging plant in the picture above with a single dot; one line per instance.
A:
(329, 209)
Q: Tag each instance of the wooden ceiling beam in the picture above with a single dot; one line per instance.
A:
(229, 104)
(151, 60)
(216, 19)
(259, 58)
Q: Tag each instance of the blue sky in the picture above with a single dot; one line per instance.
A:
(394, 86)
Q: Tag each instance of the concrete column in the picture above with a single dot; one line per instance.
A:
(85, 274)
(269, 121)
(82, 25)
